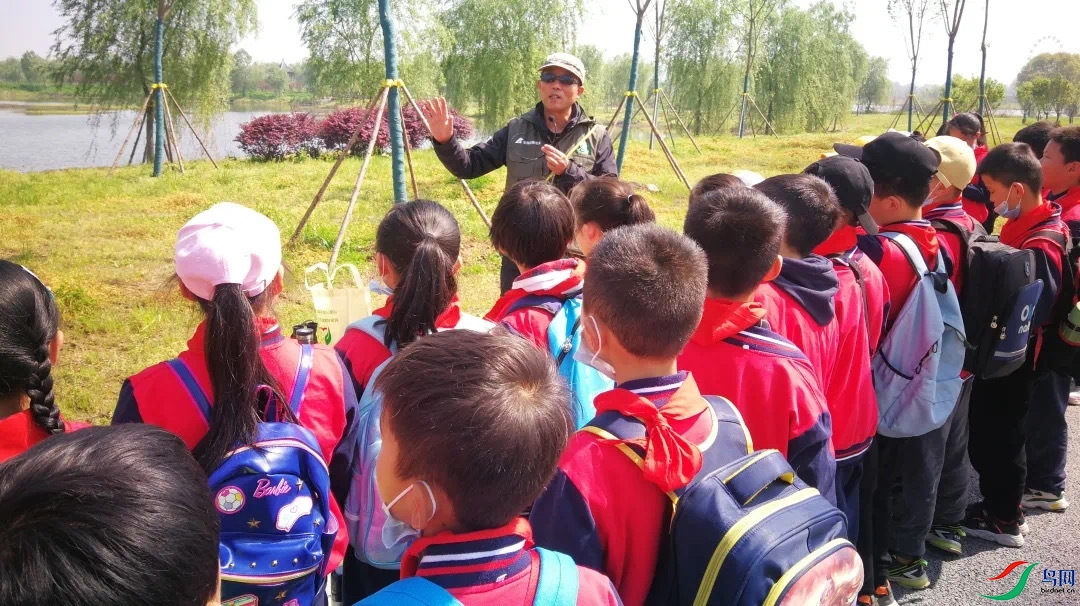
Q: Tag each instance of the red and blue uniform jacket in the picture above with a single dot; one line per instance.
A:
(561, 279)
(157, 396)
(842, 245)
(734, 354)
(499, 567)
(804, 305)
(975, 199)
(1069, 201)
(1023, 232)
(601, 508)
(362, 354)
(950, 244)
(19, 432)
(894, 266)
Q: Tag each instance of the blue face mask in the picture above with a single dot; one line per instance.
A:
(398, 534)
(379, 287)
(1003, 209)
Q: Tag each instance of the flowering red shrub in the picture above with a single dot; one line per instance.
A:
(279, 136)
(338, 127)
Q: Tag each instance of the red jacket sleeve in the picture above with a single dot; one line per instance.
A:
(530, 323)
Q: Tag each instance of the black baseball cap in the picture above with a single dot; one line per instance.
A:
(852, 183)
(894, 155)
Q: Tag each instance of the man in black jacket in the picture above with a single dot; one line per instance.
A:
(555, 138)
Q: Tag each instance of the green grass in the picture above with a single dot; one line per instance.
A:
(105, 245)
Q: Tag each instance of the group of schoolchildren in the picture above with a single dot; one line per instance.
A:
(442, 458)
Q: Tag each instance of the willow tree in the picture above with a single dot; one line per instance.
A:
(951, 18)
(494, 47)
(912, 15)
(702, 62)
(754, 13)
(113, 52)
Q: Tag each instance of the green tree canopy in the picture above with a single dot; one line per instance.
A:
(703, 67)
(875, 86)
(965, 93)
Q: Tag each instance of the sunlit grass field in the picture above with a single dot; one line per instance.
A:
(105, 245)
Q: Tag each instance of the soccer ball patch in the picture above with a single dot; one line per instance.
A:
(229, 500)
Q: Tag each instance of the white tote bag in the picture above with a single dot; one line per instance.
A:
(336, 308)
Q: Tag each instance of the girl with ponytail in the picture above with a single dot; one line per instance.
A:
(228, 261)
(417, 256)
(30, 340)
(603, 204)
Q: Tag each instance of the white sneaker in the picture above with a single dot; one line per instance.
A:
(1074, 398)
(1044, 500)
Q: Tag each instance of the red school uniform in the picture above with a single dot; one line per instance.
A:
(19, 432)
(734, 354)
(157, 396)
(894, 266)
(601, 508)
(842, 248)
(951, 246)
(1069, 201)
(1024, 232)
(499, 567)
(554, 282)
(362, 354)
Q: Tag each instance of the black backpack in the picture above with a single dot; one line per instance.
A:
(998, 300)
(1055, 352)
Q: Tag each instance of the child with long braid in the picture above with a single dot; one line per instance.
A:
(30, 340)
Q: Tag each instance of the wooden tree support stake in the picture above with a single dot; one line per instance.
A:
(408, 155)
(664, 97)
(170, 131)
(192, 128)
(667, 152)
(134, 125)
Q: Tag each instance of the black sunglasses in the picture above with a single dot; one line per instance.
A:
(565, 79)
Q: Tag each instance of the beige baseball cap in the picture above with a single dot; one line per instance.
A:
(566, 61)
(957, 161)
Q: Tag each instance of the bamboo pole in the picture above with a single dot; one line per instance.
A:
(170, 130)
(134, 125)
(679, 120)
(618, 109)
(773, 130)
(359, 179)
(464, 186)
(138, 137)
(193, 131)
(667, 152)
(408, 156)
(667, 123)
(337, 164)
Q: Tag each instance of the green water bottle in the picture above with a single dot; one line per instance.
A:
(1069, 330)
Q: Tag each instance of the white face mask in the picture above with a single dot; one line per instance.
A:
(398, 534)
(587, 356)
(933, 192)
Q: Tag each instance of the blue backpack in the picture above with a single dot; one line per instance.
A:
(564, 338)
(745, 531)
(363, 507)
(277, 527)
(917, 368)
(558, 586)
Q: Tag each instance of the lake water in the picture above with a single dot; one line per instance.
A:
(47, 142)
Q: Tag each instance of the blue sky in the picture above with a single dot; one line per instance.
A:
(1014, 35)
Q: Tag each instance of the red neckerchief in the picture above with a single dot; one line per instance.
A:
(1015, 230)
(532, 282)
(410, 561)
(722, 319)
(841, 241)
(449, 318)
(670, 460)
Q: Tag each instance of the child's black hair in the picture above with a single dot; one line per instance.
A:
(609, 203)
(109, 516)
(1068, 138)
(29, 321)
(422, 241)
(713, 183)
(646, 283)
(969, 123)
(912, 191)
(533, 224)
(813, 210)
(1035, 135)
(486, 423)
(1011, 163)
(740, 230)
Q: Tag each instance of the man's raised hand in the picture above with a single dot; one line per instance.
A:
(439, 119)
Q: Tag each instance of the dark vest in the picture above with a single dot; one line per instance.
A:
(524, 160)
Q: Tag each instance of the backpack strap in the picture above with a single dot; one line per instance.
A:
(910, 250)
(374, 327)
(722, 407)
(848, 260)
(618, 428)
(548, 303)
(1054, 236)
(558, 585)
(568, 344)
(413, 591)
(191, 386)
(303, 373)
